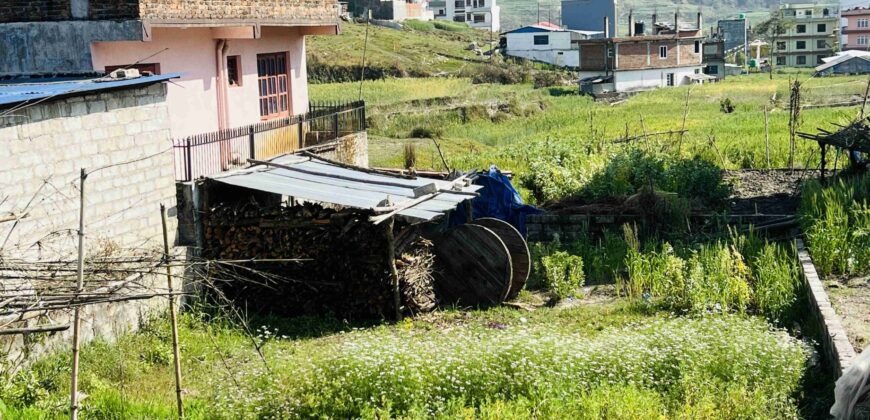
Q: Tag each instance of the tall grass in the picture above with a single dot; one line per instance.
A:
(836, 219)
(714, 277)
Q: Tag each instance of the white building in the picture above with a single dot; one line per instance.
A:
(548, 43)
(480, 14)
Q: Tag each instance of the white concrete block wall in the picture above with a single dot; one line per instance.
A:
(45, 146)
(42, 149)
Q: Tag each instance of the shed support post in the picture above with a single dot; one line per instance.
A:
(469, 211)
(824, 155)
(391, 263)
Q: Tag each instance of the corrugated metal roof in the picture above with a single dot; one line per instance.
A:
(322, 181)
(17, 92)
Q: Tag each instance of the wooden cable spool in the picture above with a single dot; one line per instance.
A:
(521, 260)
(473, 267)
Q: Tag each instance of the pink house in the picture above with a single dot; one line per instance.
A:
(856, 33)
(242, 62)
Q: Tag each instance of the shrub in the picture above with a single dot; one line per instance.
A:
(563, 273)
(544, 79)
(419, 25)
(655, 275)
(451, 26)
(726, 106)
(776, 283)
(424, 133)
(718, 279)
(505, 75)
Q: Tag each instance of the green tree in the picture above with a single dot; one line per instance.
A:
(771, 30)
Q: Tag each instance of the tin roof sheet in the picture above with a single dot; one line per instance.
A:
(323, 181)
(19, 91)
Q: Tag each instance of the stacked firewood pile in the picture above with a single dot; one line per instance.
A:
(342, 269)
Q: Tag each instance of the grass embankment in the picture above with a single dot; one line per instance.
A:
(613, 360)
(572, 138)
(420, 49)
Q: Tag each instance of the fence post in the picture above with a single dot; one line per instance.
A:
(189, 160)
(301, 129)
(251, 141)
(335, 125)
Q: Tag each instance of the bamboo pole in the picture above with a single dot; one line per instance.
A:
(767, 136)
(173, 318)
(74, 376)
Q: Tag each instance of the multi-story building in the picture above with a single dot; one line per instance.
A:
(394, 10)
(671, 55)
(856, 31)
(480, 14)
(811, 36)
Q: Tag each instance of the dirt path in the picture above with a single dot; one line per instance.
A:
(851, 299)
(773, 191)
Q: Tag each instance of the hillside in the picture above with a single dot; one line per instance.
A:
(516, 13)
(420, 49)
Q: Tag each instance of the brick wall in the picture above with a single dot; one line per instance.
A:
(633, 55)
(43, 148)
(34, 10)
(113, 9)
(285, 10)
(592, 56)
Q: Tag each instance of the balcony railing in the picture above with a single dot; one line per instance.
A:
(219, 151)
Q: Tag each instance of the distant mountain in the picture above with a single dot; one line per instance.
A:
(516, 13)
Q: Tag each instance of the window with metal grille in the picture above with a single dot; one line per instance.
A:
(274, 86)
(670, 80)
(821, 44)
(780, 61)
(821, 28)
(801, 60)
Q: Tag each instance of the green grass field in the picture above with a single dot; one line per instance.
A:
(418, 49)
(612, 359)
(513, 126)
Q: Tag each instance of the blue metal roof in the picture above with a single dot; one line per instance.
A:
(17, 92)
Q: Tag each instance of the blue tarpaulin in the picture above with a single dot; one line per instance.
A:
(498, 199)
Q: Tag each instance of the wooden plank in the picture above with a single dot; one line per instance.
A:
(473, 267)
(521, 260)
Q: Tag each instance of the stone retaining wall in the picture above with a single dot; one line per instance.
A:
(837, 349)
